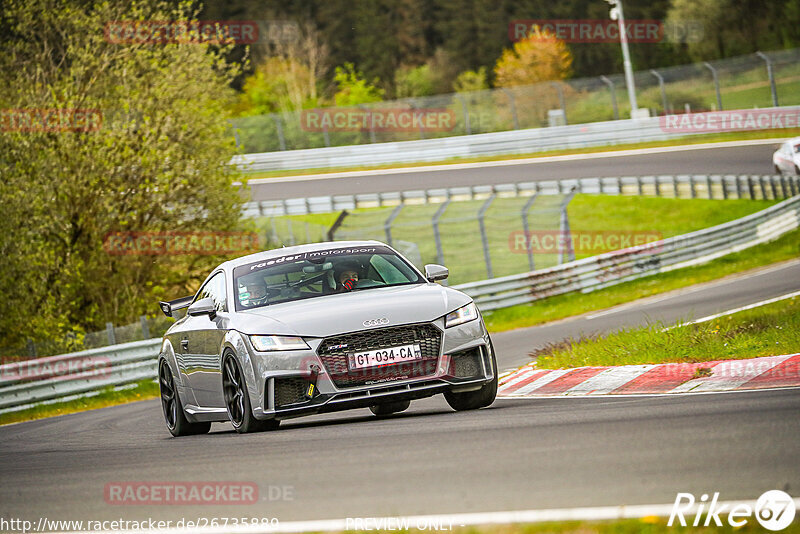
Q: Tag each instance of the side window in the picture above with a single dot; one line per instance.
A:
(215, 289)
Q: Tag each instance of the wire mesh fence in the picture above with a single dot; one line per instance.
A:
(755, 80)
(474, 238)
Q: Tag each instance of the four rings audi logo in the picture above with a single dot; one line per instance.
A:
(376, 322)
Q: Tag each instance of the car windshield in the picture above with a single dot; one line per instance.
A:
(797, 148)
(320, 272)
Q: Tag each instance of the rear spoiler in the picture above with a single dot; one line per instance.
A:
(172, 305)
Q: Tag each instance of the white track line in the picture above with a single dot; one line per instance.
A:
(510, 162)
(742, 308)
(691, 289)
(449, 521)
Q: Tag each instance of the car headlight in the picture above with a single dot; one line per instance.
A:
(271, 343)
(462, 315)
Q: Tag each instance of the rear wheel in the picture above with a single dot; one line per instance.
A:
(797, 170)
(177, 424)
(237, 401)
(472, 400)
(388, 408)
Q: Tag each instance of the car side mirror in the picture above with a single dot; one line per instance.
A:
(204, 306)
(434, 272)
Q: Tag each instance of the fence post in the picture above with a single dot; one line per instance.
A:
(31, 348)
(336, 224)
(326, 135)
(387, 226)
(564, 229)
(771, 76)
(526, 229)
(289, 229)
(751, 188)
(708, 65)
(613, 91)
(763, 187)
(674, 186)
(463, 100)
(708, 186)
(368, 111)
(145, 327)
(664, 102)
(279, 125)
(782, 179)
(561, 100)
(436, 236)
(112, 338)
(484, 238)
(513, 107)
(692, 186)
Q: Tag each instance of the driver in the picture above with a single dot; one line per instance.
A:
(257, 290)
(347, 277)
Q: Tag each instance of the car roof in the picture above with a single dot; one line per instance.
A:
(297, 249)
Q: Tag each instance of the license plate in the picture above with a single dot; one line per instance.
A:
(388, 356)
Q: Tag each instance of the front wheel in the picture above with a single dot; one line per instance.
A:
(237, 401)
(472, 400)
(177, 424)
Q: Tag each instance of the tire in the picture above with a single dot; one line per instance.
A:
(174, 417)
(778, 170)
(797, 170)
(388, 408)
(472, 400)
(237, 400)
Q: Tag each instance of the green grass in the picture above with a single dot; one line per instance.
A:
(145, 389)
(769, 330)
(562, 306)
(688, 140)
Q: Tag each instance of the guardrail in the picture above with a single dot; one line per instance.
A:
(465, 146)
(715, 186)
(23, 384)
(612, 268)
(56, 377)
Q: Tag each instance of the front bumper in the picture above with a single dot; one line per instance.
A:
(463, 363)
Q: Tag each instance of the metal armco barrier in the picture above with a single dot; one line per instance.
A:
(612, 268)
(715, 186)
(467, 146)
(25, 383)
(40, 379)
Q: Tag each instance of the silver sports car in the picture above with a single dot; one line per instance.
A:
(318, 328)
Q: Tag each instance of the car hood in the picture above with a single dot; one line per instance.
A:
(346, 312)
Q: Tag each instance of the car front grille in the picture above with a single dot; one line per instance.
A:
(333, 352)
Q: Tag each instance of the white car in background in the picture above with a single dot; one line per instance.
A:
(787, 158)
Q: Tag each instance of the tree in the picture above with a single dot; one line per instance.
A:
(471, 80)
(289, 78)
(353, 89)
(533, 60)
(154, 159)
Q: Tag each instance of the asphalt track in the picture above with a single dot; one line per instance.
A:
(746, 159)
(519, 454)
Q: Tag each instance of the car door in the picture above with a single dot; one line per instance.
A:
(205, 335)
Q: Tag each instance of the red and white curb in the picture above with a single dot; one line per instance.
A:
(719, 375)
